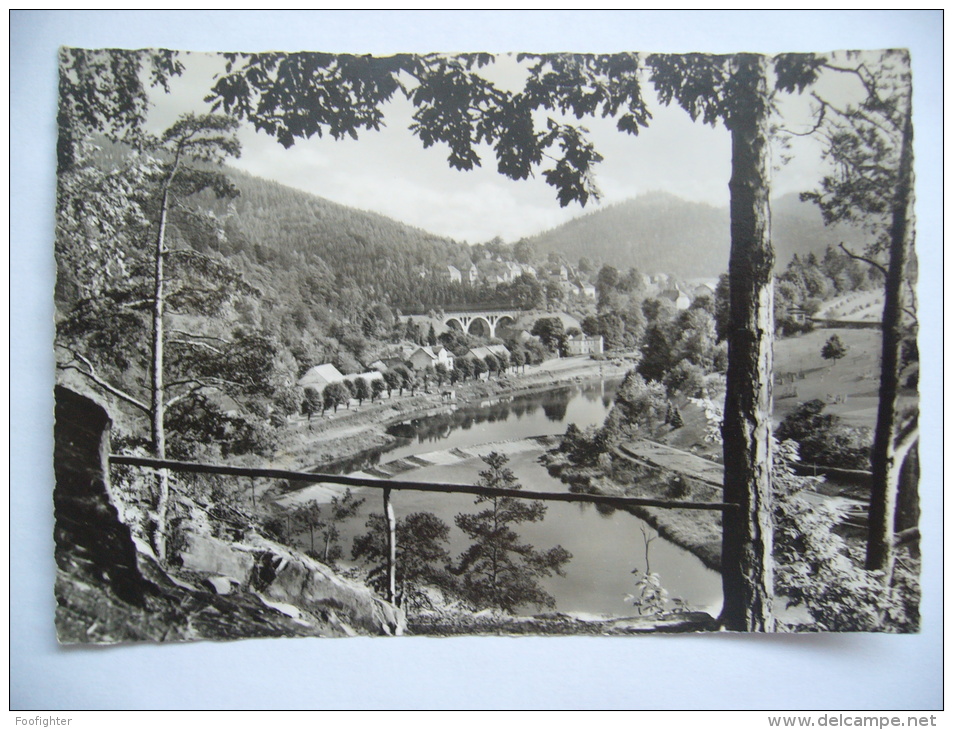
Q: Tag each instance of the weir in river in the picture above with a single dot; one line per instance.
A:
(606, 545)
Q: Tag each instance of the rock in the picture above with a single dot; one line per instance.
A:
(92, 543)
(109, 587)
(279, 574)
(220, 584)
(289, 577)
(208, 554)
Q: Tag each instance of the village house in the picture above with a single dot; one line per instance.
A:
(585, 345)
(320, 376)
(454, 274)
(384, 364)
(482, 352)
(678, 297)
(797, 314)
(513, 270)
(430, 357)
(473, 274)
(589, 290)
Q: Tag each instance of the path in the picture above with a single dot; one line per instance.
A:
(668, 457)
(660, 456)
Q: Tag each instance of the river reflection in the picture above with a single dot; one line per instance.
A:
(606, 544)
(532, 414)
(543, 413)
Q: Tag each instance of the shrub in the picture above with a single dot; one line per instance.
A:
(421, 556)
(823, 439)
(686, 377)
(814, 565)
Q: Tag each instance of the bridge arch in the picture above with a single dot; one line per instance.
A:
(482, 323)
(505, 320)
(480, 327)
(454, 324)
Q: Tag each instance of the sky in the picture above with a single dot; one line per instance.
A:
(390, 172)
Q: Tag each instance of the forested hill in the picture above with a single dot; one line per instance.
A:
(660, 232)
(278, 226)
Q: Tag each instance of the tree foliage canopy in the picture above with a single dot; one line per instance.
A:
(299, 95)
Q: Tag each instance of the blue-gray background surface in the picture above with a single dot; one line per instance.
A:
(814, 672)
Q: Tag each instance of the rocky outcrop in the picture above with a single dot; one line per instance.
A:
(282, 576)
(91, 543)
(110, 589)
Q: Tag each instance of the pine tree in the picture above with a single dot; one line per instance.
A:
(498, 570)
(421, 558)
(677, 421)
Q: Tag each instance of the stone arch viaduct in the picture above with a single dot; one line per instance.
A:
(480, 322)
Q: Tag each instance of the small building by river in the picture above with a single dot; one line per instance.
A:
(585, 345)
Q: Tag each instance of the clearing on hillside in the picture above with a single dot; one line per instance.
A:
(849, 386)
(858, 306)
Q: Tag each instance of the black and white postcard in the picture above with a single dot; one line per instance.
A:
(484, 344)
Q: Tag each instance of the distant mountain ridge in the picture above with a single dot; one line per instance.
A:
(660, 232)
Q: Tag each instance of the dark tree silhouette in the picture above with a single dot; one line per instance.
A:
(833, 349)
(422, 557)
(734, 90)
(164, 276)
(497, 569)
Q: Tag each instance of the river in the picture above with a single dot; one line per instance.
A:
(606, 548)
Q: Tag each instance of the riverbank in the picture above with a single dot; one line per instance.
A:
(605, 544)
(334, 437)
(695, 531)
(321, 493)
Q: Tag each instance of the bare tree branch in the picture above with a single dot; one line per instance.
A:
(851, 113)
(202, 345)
(88, 371)
(182, 396)
(822, 113)
(197, 337)
(858, 257)
(135, 303)
(211, 382)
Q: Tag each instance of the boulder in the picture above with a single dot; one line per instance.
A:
(279, 574)
(110, 588)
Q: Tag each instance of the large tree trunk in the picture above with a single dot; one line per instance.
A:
(747, 563)
(892, 440)
(158, 364)
(908, 495)
(158, 389)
